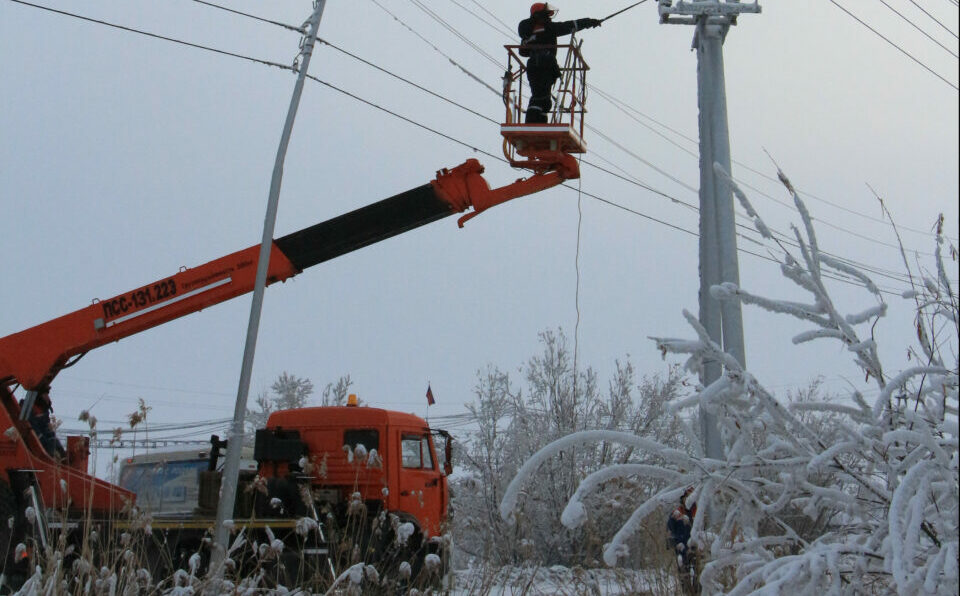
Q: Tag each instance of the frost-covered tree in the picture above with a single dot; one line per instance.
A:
(290, 391)
(287, 392)
(335, 394)
(880, 486)
(513, 424)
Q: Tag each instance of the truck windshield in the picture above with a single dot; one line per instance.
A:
(415, 450)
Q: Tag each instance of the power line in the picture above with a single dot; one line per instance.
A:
(935, 19)
(156, 36)
(488, 154)
(438, 50)
(787, 240)
(150, 428)
(827, 224)
(509, 30)
(130, 400)
(616, 102)
(610, 98)
(456, 32)
(434, 131)
(918, 28)
(482, 20)
(901, 50)
(835, 277)
(895, 276)
(626, 109)
(377, 106)
(641, 159)
(407, 81)
(760, 192)
(151, 387)
(301, 29)
(404, 118)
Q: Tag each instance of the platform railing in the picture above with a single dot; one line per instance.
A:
(569, 95)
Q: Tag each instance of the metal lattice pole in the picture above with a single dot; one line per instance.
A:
(718, 241)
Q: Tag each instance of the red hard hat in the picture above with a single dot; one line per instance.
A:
(542, 7)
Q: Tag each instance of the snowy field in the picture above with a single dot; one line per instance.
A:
(559, 580)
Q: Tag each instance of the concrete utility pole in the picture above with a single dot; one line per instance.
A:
(718, 240)
(231, 467)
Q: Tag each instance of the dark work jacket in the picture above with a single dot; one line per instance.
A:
(537, 32)
(679, 524)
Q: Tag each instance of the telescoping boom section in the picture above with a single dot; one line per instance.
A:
(33, 357)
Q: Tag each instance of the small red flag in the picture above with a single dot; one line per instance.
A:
(430, 400)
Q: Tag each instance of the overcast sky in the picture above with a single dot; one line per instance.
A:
(125, 157)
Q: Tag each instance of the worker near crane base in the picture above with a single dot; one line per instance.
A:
(538, 40)
(679, 526)
(42, 425)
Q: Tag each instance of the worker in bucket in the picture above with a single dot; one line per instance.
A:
(538, 40)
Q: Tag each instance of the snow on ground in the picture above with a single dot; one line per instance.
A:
(559, 581)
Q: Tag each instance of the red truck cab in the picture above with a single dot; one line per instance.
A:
(386, 459)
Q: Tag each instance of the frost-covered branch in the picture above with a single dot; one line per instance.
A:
(817, 496)
(512, 494)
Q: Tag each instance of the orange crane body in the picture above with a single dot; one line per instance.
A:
(33, 357)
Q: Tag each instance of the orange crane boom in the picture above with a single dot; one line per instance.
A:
(33, 357)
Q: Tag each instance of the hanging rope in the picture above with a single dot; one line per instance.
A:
(576, 296)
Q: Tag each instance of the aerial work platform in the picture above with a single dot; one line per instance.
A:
(539, 146)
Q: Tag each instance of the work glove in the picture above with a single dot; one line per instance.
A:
(591, 23)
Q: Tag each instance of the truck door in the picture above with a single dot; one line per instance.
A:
(421, 492)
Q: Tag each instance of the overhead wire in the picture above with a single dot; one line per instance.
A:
(615, 102)
(481, 19)
(121, 429)
(134, 400)
(895, 45)
(155, 36)
(301, 29)
(367, 102)
(407, 81)
(786, 238)
(456, 32)
(151, 387)
(508, 30)
(639, 158)
(438, 50)
(696, 156)
(755, 189)
(434, 131)
(935, 19)
(630, 110)
(918, 28)
(896, 276)
(836, 277)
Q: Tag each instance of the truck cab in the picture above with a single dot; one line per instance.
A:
(350, 456)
